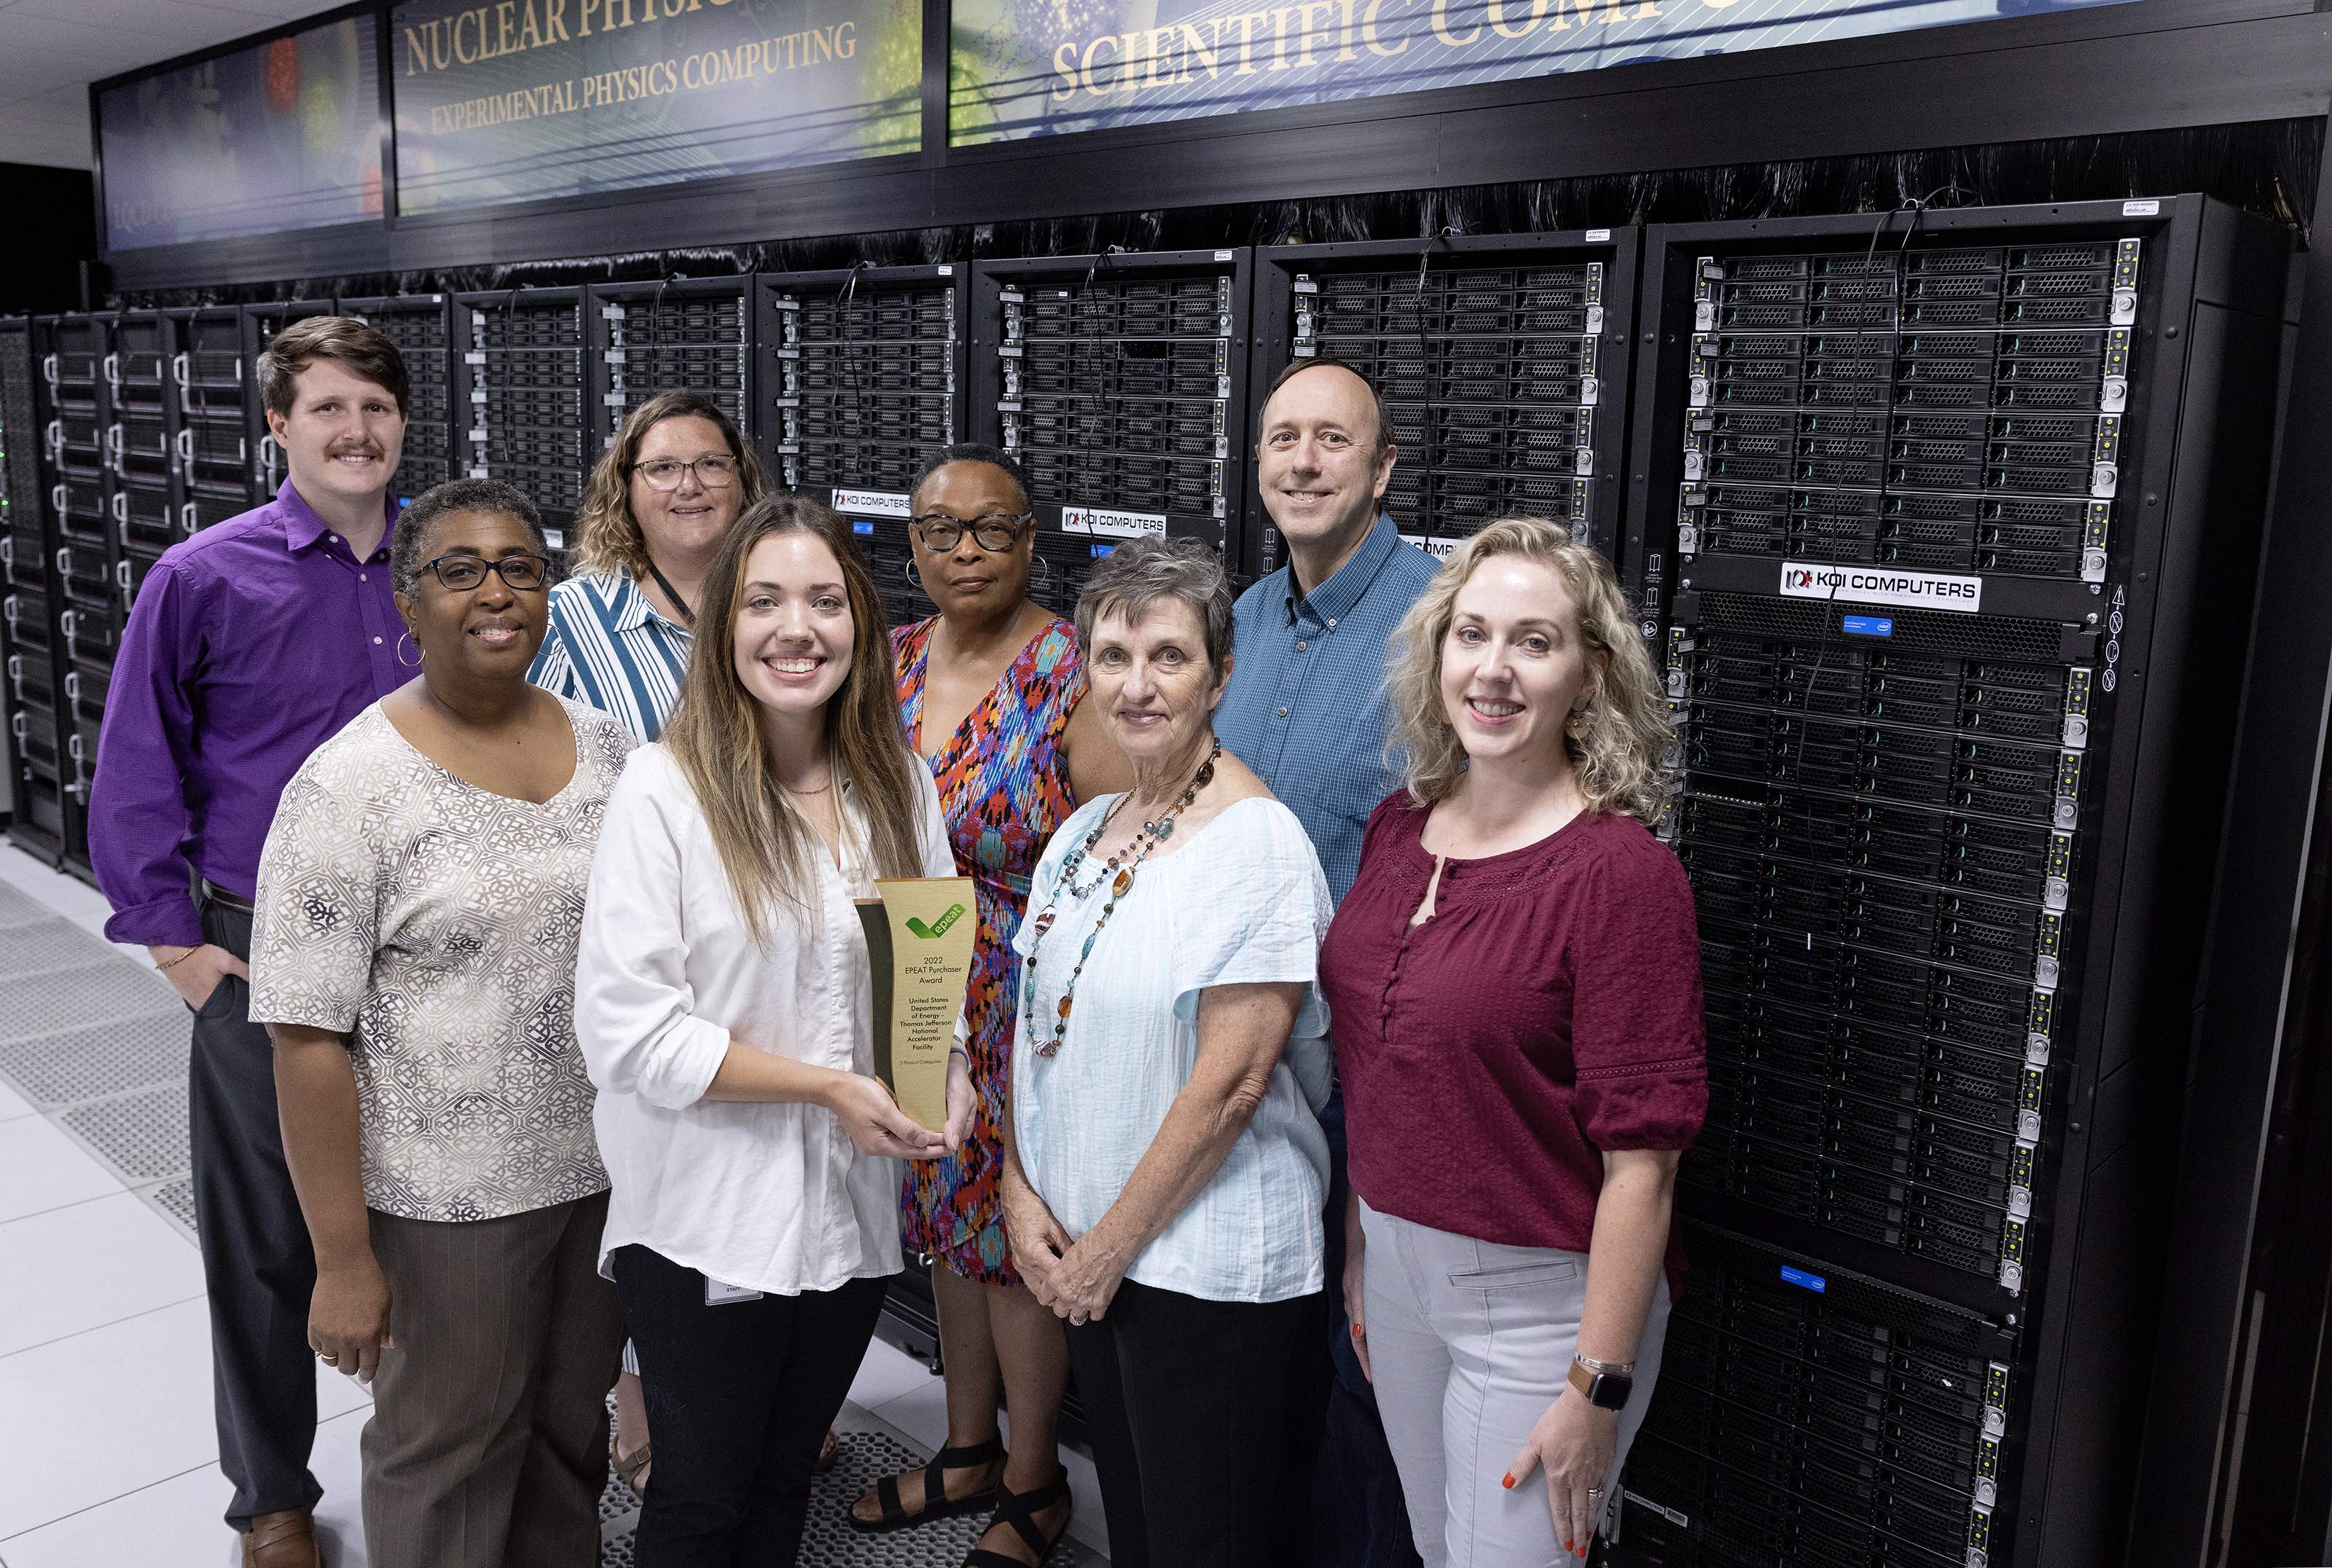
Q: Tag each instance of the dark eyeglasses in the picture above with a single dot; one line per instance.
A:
(714, 473)
(994, 530)
(463, 573)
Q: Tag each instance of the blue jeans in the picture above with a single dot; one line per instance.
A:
(1359, 1518)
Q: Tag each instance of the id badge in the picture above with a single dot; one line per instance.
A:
(717, 1294)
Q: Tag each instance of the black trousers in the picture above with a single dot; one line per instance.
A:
(1196, 1411)
(1359, 1518)
(258, 1267)
(739, 1398)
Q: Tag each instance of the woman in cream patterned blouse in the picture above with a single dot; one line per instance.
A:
(413, 955)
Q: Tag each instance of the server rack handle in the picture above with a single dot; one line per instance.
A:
(81, 779)
(113, 371)
(113, 446)
(57, 497)
(16, 726)
(49, 372)
(67, 620)
(55, 435)
(16, 672)
(178, 365)
(73, 686)
(186, 444)
(63, 558)
(189, 520)
(122, 580)
(7, 556)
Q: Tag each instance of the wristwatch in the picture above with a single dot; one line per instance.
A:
(1605, 1384)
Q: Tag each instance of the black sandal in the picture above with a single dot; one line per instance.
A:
(1019, 1509)
(894, 1513)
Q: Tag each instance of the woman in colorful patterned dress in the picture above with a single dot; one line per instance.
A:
(991, 691)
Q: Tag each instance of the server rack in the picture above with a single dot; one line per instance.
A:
(1502, 359)
(1946, 553)
(259, 326)
(520, 384)
(422, 328)
(215, 410)
(1120, 380)
(862, 378)
(84, 621)
(142, 447)
(691, 334)
(40, 803)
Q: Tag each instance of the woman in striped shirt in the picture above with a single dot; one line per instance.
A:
(653, 515)
(654, 512)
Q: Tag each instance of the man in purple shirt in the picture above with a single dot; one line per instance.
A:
(249, 645)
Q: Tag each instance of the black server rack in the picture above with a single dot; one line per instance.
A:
(1946, 554)
(422, 328)
(215, 397)
(862, 378)
(260, 324)
(519, 396)
(39, 802)
(1120, 380)
(86, 609)
(1503, 361)
(686, 334)
(142, 447)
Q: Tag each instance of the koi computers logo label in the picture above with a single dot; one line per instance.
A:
(1883, 586)
(938, 928)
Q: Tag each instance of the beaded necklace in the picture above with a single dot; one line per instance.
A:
(1119, 867)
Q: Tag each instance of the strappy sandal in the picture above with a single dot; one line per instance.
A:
(627, 1466)
(894, 1513)
(1019, 1510)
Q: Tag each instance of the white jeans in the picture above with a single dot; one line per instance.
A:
(1470, 1341)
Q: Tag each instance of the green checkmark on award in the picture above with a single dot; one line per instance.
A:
(920, 935)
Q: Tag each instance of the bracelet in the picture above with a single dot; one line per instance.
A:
(167, 968)
(1625, 1369)
(959, 1051)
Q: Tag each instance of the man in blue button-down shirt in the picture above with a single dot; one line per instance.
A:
(1306, 710)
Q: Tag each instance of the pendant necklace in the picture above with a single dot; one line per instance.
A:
(1119, 870)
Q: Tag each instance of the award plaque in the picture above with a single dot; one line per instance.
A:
(920, 933)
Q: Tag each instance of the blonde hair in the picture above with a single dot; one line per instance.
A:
(1615, 745)
(715, 734)
(607, 537)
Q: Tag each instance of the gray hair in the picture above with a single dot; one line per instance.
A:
(492, 495)
(1134, 576)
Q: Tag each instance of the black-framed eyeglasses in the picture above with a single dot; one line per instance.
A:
(716, 472)
(994, 530)
(463, 573)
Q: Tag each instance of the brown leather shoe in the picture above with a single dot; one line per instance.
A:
(284, 1540)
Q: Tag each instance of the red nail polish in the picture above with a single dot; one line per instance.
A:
(1509, 1482)
(1567, 1546)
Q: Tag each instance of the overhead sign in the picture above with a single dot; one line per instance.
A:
(525, 99)
(283, 136)
(1038, 67)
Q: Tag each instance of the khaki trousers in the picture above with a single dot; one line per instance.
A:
(488, 1442)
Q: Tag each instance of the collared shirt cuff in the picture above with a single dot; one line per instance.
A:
(172, 921)
(690, 1058)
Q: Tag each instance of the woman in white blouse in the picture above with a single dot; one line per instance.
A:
(722, 1003)
(1163, 1191)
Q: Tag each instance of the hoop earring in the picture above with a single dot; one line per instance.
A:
(914, 577)
(421, 653)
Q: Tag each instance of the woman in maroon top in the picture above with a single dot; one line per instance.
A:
(1515, 982)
